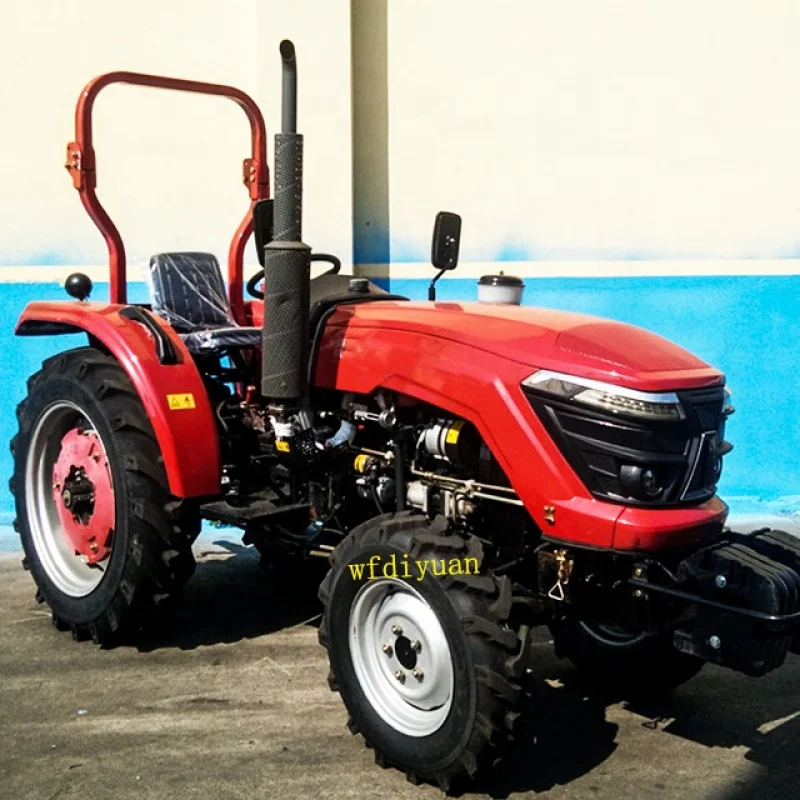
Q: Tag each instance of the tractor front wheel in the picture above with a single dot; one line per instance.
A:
(104, 541)
(429, 664)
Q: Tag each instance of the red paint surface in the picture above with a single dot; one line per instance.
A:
(544, 339)
(188, 438)
(470, 360)
(84, 450)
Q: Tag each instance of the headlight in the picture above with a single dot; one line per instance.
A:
(727, 407)
(606, 396)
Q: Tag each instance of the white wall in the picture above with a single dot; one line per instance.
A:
(611, 129)
(612, 152)
(169, 165)
(320, 30)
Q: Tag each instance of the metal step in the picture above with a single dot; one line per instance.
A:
(257, 511)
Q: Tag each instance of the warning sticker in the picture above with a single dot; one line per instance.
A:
(452, 434)
(180, 402)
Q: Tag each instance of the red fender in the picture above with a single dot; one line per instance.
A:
(186, 432)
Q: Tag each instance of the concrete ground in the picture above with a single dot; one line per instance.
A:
(231, 701)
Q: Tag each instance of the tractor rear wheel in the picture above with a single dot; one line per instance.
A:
(635, 664)
(105, 542)
(429, 667)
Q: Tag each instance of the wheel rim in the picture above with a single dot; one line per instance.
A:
(611, 635)
(69, 499)
(401, 657)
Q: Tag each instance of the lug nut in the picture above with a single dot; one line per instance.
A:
(418, 674)
(396, 630)
(715, 642)
(400, 675)
(387, 648)
(416, 645)
(721, 581)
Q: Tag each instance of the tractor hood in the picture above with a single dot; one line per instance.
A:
(575, 344)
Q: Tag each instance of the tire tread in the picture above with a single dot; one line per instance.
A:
(500, 693)
(159, 560)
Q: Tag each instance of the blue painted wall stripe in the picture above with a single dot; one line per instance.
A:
(747, 326)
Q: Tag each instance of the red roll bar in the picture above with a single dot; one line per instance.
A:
(82, 168)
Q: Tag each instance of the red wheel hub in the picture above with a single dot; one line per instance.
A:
(84, 495)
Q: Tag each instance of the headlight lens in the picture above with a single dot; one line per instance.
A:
(727, 406)
(606, 396)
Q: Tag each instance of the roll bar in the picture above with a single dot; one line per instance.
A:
(82, 167)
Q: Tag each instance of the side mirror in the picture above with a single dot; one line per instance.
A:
(446, 239)
(263, 213)
(444, 248)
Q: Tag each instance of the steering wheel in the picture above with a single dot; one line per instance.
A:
(252, 284)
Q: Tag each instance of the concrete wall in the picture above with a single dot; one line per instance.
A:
(638, 161)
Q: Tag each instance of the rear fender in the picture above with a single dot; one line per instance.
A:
(173, 394)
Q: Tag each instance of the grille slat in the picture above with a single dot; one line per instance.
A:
(709, 416)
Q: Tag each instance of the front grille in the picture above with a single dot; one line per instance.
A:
(605, 449)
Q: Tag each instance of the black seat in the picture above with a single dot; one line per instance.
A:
(215, 339)
(188, 292)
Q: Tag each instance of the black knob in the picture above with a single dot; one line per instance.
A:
(78, 285)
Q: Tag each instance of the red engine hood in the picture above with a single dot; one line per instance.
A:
(576, 344)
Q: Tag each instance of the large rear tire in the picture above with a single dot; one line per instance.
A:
(107, 545)
(613, 659)
(429, 670)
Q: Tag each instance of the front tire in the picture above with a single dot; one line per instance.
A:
(106, 544)
(429, 669)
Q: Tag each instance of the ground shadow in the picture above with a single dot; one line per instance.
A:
(722, 709)
(231, 597)
(570, 735)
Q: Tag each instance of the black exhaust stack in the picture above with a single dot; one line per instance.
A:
(287, 262)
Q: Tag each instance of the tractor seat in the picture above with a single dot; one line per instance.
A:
(188, 292)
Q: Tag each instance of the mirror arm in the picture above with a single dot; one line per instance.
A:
(432, 287)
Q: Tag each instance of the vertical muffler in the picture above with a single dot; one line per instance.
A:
(287, 262)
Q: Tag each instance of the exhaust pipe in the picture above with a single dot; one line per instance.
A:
(287, 262)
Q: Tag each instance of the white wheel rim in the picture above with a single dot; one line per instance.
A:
(391, 613)
(69, 572)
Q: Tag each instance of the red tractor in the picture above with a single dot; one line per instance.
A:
(472, 470)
